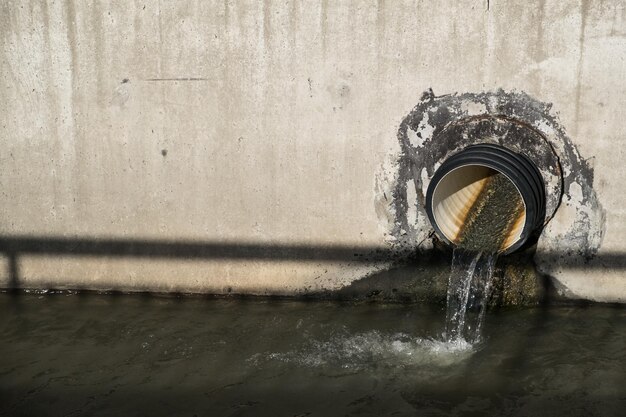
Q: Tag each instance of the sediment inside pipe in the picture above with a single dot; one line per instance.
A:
(479, 208)
(486, 198)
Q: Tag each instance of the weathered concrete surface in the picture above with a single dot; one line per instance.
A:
(267, 122)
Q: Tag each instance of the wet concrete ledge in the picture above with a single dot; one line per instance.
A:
(424, 279)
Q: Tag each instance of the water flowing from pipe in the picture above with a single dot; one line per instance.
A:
(469, 288)
(487, 225)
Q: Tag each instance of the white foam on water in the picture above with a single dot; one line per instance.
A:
(373, 349)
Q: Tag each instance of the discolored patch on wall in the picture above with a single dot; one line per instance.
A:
(440, 126)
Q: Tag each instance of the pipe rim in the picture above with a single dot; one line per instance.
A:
(516, 167)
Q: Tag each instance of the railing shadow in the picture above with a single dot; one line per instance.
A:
(15, 247)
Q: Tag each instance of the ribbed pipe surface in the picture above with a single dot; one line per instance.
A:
(459, 184)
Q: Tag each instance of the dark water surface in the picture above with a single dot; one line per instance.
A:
(97, 355)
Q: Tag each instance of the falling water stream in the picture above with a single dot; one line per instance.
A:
(468, 293)
(483, 234)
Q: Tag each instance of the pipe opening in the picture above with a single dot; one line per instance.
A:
(486, 198)
(458, 193)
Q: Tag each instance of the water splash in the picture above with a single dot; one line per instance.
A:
(469, 288)
(372, 349)
(468, 292)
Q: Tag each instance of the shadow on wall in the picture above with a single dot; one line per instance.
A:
(14, 247)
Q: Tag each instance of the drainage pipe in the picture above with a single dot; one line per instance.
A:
(458, 182)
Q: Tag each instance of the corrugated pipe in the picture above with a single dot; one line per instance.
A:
(458, 183)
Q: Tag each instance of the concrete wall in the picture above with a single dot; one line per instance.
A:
(129, 126)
